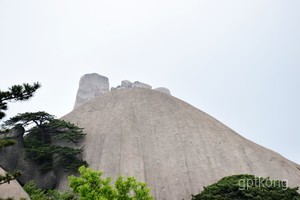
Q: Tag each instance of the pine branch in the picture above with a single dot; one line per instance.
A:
(9, 177)
(16, 93)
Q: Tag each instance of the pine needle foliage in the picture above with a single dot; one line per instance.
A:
(36, 193)
(16, 93)
(41, 130)
(248, 187)
(13, 94)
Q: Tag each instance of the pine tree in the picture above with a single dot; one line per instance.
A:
(14, 94)
(247, 187)
(38, 140)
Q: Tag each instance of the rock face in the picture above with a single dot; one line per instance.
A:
(174, 147)
(12, 190)
(91, 86)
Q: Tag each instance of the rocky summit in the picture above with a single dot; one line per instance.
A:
(172, 146)
(91, 86)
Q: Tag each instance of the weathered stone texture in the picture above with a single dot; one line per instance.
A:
(174, 147)
(91, 86)
(12, 189)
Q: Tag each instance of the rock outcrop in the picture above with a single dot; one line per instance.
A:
(141, 85)
(128, 84)
(163, 90)
(94, 85)
(174, 147)
(91, 86)
(12, 189)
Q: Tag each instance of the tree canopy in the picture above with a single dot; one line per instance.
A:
(247, 187)
(36, 193)
(91, 185)
(13, 94)
(16, 93)
(38, 140)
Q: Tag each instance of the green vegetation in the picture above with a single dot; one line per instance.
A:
(92, 186)
(49, 143)
(38, 142)
(4, 142)
(36, 193)
(247, 187)
(42, 129)
(14, 94)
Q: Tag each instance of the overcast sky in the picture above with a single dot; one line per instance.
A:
(239, 61)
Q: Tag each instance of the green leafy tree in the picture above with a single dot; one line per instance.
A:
(13, 94)
(92, 186)
(247, 187)
(42, 129)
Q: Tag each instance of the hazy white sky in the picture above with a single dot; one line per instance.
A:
(237, 60)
